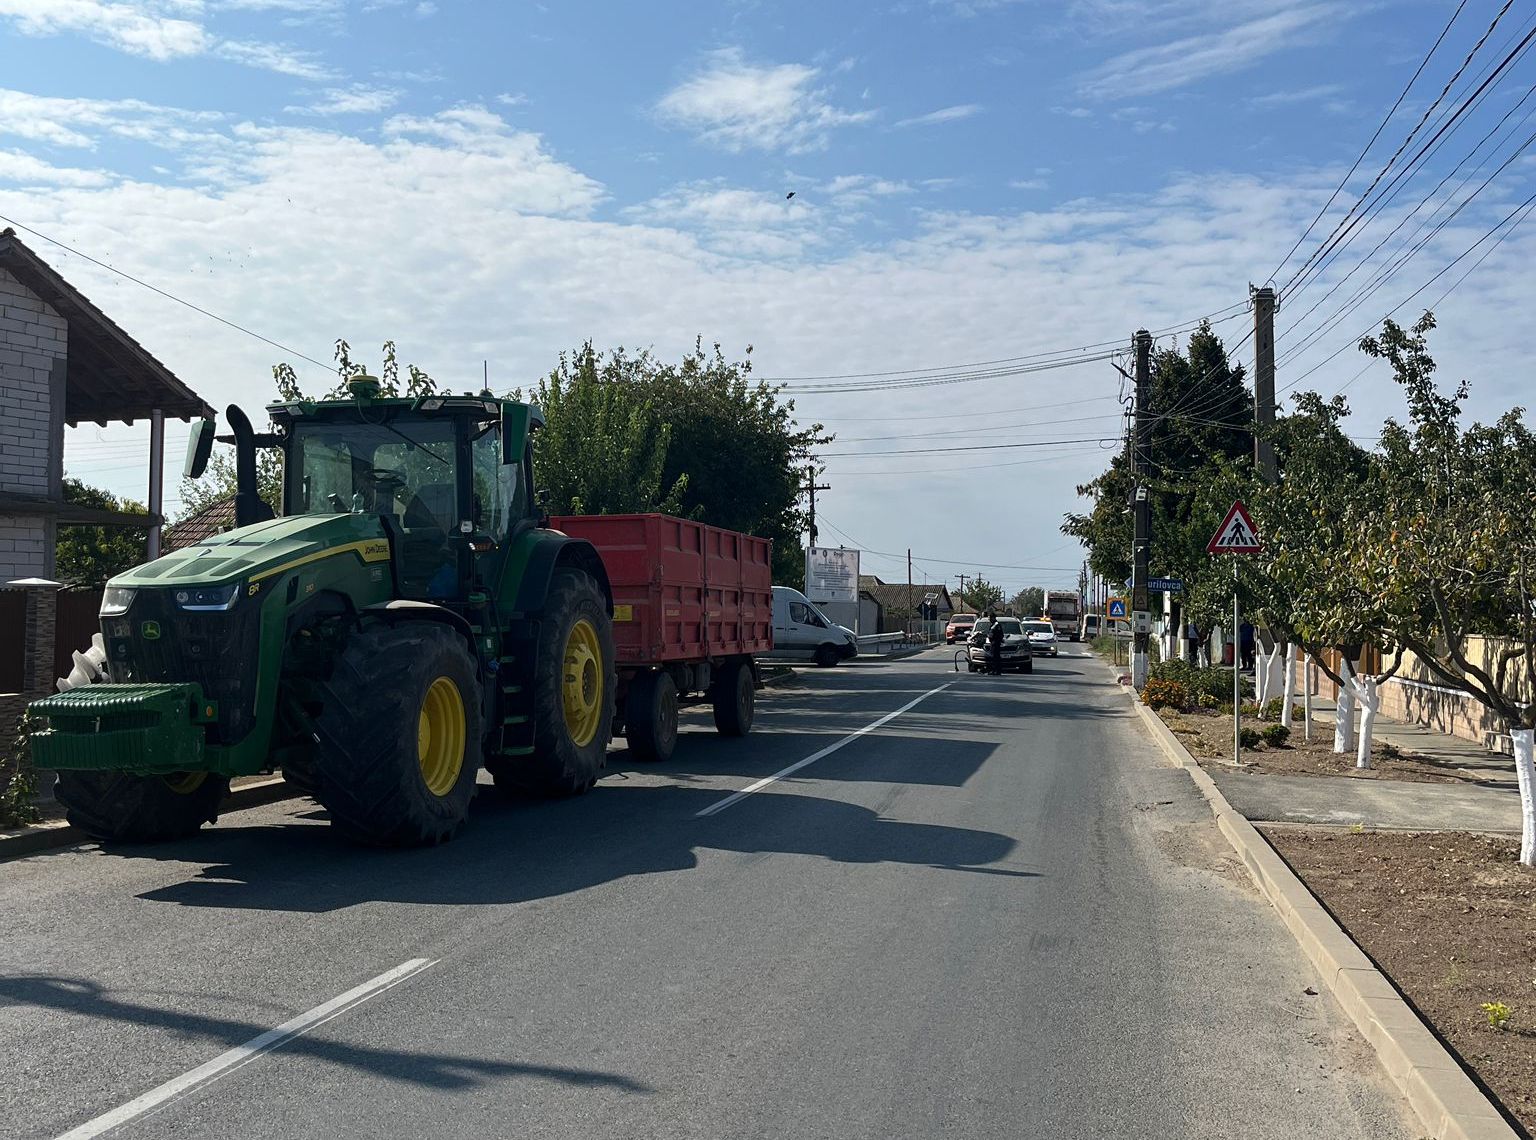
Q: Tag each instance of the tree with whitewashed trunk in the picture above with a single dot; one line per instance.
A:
(1455, 556)
(1305, 582)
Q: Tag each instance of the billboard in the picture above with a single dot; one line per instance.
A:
(831, 574)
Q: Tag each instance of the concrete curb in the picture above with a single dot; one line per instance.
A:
(56, 833)
(1446, 1100)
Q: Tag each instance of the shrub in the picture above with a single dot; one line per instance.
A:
(1159, 693)
(1276, 735)
(18, 779)
(1498, 1014)
(1207, 701)
(1248, 737)
(1215, 681)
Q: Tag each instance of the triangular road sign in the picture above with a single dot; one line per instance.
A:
(1237, 534)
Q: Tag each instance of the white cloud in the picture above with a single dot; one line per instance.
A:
(28, 170)
(1164, 67)
(157, 30)
(358, 99)
(161, 30)
(1029, 184)
(463, 239)
(942, 115)
(512, 99)
(80, 122)
(737, 105)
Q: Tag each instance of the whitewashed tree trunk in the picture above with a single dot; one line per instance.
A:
(1344, 714)
(1369, 693)
(1260, 675)
(1308, 672)
(1524, 740)
(1288, 688)
(1274, 683)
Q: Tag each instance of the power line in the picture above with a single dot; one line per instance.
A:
(163, 293)
(1423, 63)
(939, 450)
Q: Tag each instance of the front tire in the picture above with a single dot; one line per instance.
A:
(735, 699)
(118, 807)
(399, 735)
(650, 718)
(574, 682)
(826, 656)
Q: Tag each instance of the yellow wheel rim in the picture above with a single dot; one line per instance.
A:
(185, 783)
(581, 692)
(440, 736)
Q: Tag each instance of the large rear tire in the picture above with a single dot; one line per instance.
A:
(734, 696)
(650, 718)
(119, 807)
(399, 732)
(574, 682)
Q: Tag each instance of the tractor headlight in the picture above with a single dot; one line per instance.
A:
(116, 600)
(208, 597)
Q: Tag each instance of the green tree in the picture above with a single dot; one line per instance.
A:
(603, 448)
(1029, 602)
(981, 595)
(89, 555)
(731, 452)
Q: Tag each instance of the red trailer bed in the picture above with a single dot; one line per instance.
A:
(682, 591)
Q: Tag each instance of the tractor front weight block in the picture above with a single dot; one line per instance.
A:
(145, 729)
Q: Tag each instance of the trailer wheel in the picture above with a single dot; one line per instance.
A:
(650, 718)
(734, 696)
(574, 682)
(399, 732)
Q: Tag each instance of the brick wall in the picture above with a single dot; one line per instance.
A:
(32, 338)
(23, 548)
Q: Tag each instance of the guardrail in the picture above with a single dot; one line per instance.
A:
(881, 642)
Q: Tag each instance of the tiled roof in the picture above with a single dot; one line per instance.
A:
(215, 518)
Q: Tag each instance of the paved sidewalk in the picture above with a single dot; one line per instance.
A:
(1489, 801)
(1340, 800)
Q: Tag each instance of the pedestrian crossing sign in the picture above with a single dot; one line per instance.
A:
(1237, 534)
(1116, 609)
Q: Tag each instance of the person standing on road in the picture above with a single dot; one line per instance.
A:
(1247, 645)
(995, 648)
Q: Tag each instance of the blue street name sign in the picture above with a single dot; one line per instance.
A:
(1166, 585)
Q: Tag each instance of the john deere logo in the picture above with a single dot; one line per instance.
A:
(150, 630)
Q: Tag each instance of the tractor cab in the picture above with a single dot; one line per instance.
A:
(447, 476)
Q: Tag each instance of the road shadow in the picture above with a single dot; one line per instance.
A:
(514, 852)
(447, 1071)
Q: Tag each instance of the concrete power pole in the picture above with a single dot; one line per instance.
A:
(962, 578)
(1264, 381)
(1142, 541)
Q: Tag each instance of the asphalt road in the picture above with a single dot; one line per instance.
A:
(1000, 914)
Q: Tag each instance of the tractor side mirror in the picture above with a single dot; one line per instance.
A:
(199, 448)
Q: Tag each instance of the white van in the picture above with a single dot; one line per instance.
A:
(800, 630)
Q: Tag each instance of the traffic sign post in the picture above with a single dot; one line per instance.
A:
(1236, 535)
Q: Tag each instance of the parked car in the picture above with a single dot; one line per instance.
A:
(1042, 637)
(959, 627)
(800, 630)
(1090, 627)
(1017, 654)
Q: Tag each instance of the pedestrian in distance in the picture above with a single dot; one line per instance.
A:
(1247, 645)
(995, 648)
(1192, 634)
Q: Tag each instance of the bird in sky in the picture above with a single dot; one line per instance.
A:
(788, 196)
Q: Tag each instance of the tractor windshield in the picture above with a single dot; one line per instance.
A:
(403, 468)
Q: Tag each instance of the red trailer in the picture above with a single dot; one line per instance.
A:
(692, 607)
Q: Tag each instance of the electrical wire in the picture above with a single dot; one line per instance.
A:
(166, 294)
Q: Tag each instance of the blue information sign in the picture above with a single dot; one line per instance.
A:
(1117, 607)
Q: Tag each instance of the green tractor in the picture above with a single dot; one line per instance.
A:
(408, 616)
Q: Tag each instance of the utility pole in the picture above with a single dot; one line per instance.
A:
(962, 578)
(1264, 306)
(910, 613)
(812, 486)
(1142, 541)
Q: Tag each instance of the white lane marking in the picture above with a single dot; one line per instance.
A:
(815, 756)
(234, 1058)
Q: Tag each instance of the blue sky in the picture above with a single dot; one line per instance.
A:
(973, 181)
